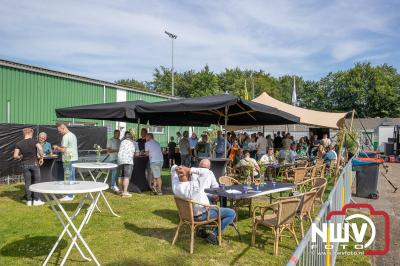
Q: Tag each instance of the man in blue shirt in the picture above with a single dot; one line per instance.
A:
(219, 145)
(331, 155)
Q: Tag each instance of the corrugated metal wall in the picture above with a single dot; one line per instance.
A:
(34, 96)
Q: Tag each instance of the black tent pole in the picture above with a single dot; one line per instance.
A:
(138, 129)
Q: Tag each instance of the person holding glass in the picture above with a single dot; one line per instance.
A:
(69, 149)
(46, 146)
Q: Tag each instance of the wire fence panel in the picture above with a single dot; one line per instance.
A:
(317, 252)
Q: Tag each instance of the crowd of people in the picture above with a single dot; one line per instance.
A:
(240, 149)
(267, 149)
(122, 152)
(31, 154)
(190, 181)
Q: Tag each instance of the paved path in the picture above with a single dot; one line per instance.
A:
(389, 202)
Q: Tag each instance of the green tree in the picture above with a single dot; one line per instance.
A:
(133, 83)
(370, 90)
(162, 80)
(205, 82)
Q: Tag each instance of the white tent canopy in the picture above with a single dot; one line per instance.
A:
(307, 117)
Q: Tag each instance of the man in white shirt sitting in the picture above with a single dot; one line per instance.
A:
(211, 181)
(189, 183)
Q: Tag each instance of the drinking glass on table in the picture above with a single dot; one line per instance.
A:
(257, 182)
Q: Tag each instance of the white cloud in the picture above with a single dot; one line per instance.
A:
(124, 39)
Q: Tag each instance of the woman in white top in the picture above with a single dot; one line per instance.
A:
(268, 158)
(125, 161)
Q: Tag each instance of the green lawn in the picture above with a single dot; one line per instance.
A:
(142, 236)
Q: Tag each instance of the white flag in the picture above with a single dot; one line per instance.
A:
(294, 94)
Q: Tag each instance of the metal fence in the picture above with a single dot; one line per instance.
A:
(314, 253)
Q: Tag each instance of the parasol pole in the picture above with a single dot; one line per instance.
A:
(226, 124)
(138, 129)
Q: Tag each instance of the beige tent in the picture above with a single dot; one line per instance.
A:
(307, 117)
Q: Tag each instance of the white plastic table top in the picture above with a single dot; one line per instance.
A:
(95, 165)
(58, 187)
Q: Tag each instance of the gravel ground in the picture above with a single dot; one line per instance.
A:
(390, 203)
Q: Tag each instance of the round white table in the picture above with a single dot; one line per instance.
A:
(102, 169)
(50, 190)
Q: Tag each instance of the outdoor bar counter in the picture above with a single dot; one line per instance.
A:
(51, 169)
(138, 179)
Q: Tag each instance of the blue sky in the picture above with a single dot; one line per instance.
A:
(110, 40)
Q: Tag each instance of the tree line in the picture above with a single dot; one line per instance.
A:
(373, 91)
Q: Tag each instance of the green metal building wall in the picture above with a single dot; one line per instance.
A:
(33, 96)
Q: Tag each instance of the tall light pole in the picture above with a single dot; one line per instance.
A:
(173, 37)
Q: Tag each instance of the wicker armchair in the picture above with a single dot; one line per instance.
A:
(319, 162)
(235, 204)
(295, 175)
(186, 216)
(311, 172)
(228, 180)
(332, 169)
(306, 207)
(281, 218)
(320, 171)
(320, 186)
(301, 163)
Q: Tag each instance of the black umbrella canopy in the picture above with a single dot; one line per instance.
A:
(203, 111)
(118, 111)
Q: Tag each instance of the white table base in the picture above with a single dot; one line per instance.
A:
(107, 173)
(69, 223)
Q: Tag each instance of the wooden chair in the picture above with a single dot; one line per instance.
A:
(319, 162)
(281, 218)
(236, 204)
(301, 163)
(228, 180)
(320, 170)
(305, 206)
(310, 172)
(319, 186)
(186, 216)
(310, 184)
(332, 169)
(295, 175)
(305, 209)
